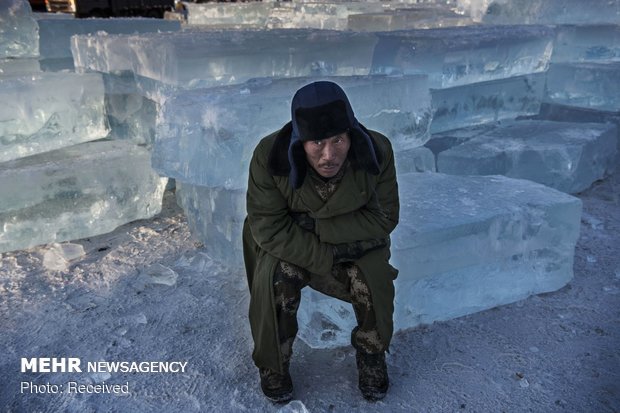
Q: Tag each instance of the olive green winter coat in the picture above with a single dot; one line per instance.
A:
(363, 207)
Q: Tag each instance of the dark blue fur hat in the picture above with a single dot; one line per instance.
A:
(321, 110)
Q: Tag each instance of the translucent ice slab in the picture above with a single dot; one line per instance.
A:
(55, 34)
(19, 33)
(419, 159)
(131, 115)
(215, 217)
(47, 111)
(196, 59)
(563, 155)
(463, 55)
(551, 11)
(420, 17)
(326, 15)
(19, 66)
(585, 85)
(207, 137)
(76, 192)
(464, 244)
(468, 105)
(587, 43)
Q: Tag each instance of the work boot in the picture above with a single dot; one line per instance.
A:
(373, 375)
(277, 387)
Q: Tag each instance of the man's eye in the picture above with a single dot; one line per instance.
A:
(318, 142)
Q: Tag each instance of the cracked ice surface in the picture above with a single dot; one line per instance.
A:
(47, 111)
(464, 55)
(76, 192)
(464, 244)
(562, 155)
(19, 33)
(196, 59)
(207, 137)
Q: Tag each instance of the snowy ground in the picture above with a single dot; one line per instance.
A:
(147, 292)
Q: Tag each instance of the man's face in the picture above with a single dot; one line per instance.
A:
(327, 156)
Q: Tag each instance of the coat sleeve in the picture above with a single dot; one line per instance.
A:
(375, 220)
(274, 230)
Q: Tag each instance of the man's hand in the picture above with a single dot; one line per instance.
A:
(303, 220)
(352, 251)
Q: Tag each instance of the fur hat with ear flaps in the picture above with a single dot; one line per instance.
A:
(321, 110)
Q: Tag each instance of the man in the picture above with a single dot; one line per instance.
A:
(322, 200)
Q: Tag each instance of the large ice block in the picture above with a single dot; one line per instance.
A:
(419, 159)
(195, 59)
(417, 17)
(464, 244)
(19, 66)
(47, 111)
(562, 155)
(131, 115)
(585, 85)
(215, 218)
(19, 33)
(551, 11)
(55, 34)
(586, 43)
(462, 55)
(469, 105)
(327, 15)
(229, 14)
(207, 136)
(76, 192)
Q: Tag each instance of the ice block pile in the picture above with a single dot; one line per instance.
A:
(464, 244)
(58, 180)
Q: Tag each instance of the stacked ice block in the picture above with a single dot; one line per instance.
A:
(55, 34)
(414, 17)
(194, 59)
(54, 186)
(76, 192)
(551, 11)
(47, 111)
(207, 136)
(476, 74)
(19, 33)
(327, 15)
(562, 155)
(464, 244)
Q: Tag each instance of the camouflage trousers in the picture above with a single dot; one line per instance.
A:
(346, 282)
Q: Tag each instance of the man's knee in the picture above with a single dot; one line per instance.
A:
(290, 274)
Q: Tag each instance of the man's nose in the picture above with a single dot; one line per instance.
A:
(328, 151)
